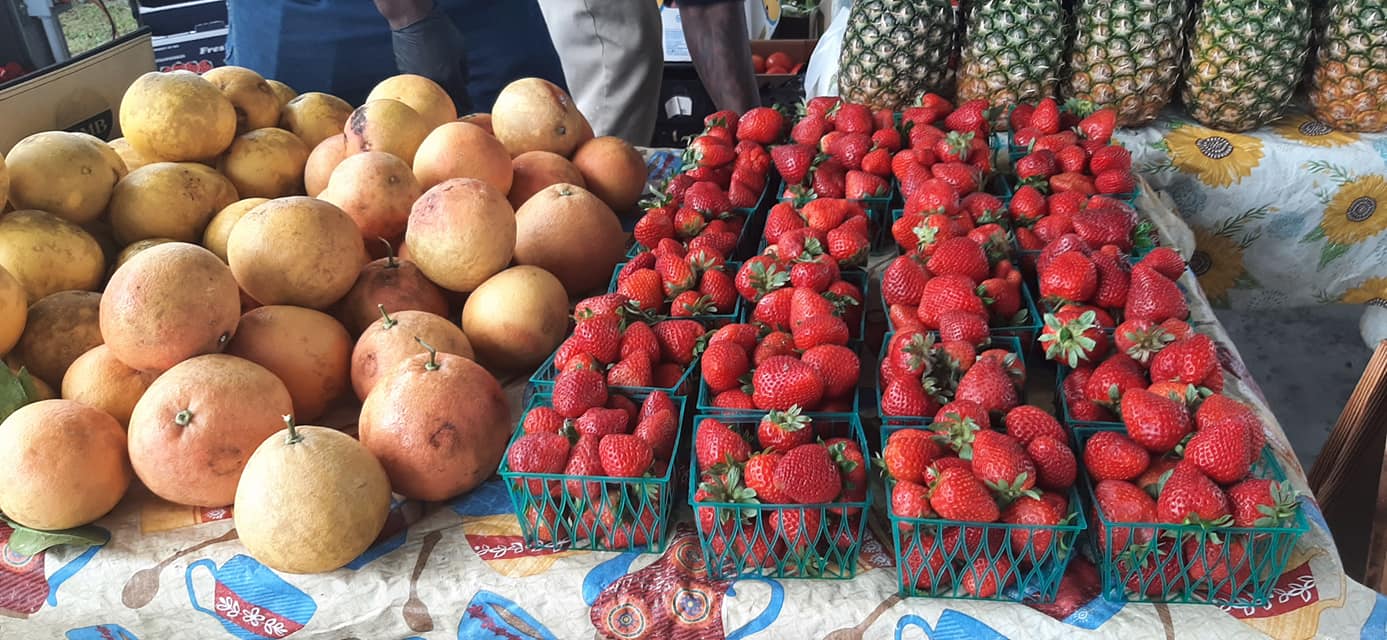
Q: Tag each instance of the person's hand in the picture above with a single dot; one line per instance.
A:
(402, 13)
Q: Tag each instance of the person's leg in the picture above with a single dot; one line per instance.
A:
(506, 40)
(716, 33)
(427, 43)
(612, 57)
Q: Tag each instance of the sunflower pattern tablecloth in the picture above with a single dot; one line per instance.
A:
(1289, 215)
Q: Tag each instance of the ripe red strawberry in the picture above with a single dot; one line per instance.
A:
(1027, 422)
(1037, 167)
(624, 455)
(821, 330)
(584, 460)
(888, 139)
(709, 151)
(781, 382)
(723, 365)
(837, 366)
(1001, 463)
(743, 335)
(1189, 361)
(958, 495)
(969, 116)
(733, 399)
(1152, 296)
(908, 453)
(1072, 335)
(1165, 261)
(1114, 181)
(988, 384)
(782, 431)
(639, 339)
(984, 578)
(910, 500)
(906, 398)
(1190, 497)
(903, 281)
(1113, 280)
(761, 125)
(963, 326)
(829, 180)
(635, 371)
(542, 420)
(1220, 409)
(659, 431)
(793, 161)
(1111, 158)
(1028, 204)
(717, 285)
(1076, 182)
(678, 340)
(578, 390)
(1046, 117)
(798, 529)
(948, 293)
(877, 162)
(716, 443)
(1072, 159)
(809, 130)
(860, 185)
(962, 176)
(1099, 126)
(959, 256)
(1155, 422)
(851, 148)
(1032, 542)
(1055, 464)
(538, 453)
(1259, 502)
(1221, 452)
(760, 477)
(849, 248)
(1003, 300)
(600, 337)
(1110, 455)
(655, 225)
(1070, 277)
(1112, 379)
(807, 474)
(742, 196)
(676, 274)
(1124, 502)
(599, 421)
(776, 343)
(721, 242)
(852, 118)
(645, 288)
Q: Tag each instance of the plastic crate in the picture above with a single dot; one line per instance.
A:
(542, 381)
(878, 210)
(749, 214)
(1027, 332)
(705, 397)
(710, 319)
(1010, 343)
(1063, 404)
(1026, 562)
(1179, 568)
(856, 332)
(830, 552)
(551, 516)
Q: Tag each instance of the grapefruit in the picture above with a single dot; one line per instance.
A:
(309, 350)
(425, 96)
(462, 150)
(296, 250)
(390, 340)
(197, 424)
(168, 200)
(265, 163)
(58, 329)
(453, 435)
(386, 125)
(613, 171)
(135, 248)
(376, 189)
(534, 114)
(396, 284)
(4, 183)
(315, 117)
(219, 229)
(569, 232)
(482, 120)
(98, 380)
(321, 161)
(169, 303)
(70, 175)
(535, 170)
(47, 254)
(460, 233)
(14, 310)
(255, 101)
(133, 159)
(283, 92)
(517, 317)
(62, 465)
(311, 500)
(177, 116)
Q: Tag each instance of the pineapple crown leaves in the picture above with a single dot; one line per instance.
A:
(1066, 341)
(1285, 502)
(792, 419)
(1009, 492)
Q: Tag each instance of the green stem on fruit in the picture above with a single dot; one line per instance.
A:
(390, 261)
(433, 355)
(389, 321)
(294, 437)
(183, 418)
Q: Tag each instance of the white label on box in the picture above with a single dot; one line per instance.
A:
(678, 106)
(676, 49)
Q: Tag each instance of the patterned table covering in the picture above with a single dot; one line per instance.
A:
(460, 570)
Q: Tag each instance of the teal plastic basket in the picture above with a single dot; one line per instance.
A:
(857, 332)
(556, 511)
(1062, 403)
(542, 381)
(1183, 565)
(878, 210)
(1026, 332)
(709, 319)
(749, 215)
(1010, 343)
(705, 397)
(755, 546)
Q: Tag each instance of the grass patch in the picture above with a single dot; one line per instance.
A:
(86, 26)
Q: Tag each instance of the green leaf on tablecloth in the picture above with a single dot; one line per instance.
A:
(1247, 281)
(1317, 233)
(16, 390)
(31, 542)
(1331, 252)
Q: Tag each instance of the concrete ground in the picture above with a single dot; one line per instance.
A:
(1307, 362)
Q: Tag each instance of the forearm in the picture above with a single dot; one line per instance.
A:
(402, 13)
(716, 35)
(427, 43)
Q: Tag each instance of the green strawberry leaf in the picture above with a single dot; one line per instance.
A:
(16, 390)
(31, 542)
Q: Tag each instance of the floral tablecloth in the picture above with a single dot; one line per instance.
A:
(1289, 215)
(460, 570)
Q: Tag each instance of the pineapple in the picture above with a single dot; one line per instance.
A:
(1012, 52)
(894, 51)
(1245, 60)
(1349, 85)
(1126, 56)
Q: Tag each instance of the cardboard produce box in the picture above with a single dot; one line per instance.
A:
(81, 94)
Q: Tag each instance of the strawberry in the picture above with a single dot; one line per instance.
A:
(809, 130)
(584, 460)
(1001, 463)
(639, 339)
(720, 291)
(709, 151)
(837, 366)
(959, 256)
(1190, 497)
(1037, 167)
(1072, 334)
(969, 116)
(1100, 226)
(903, 281)
(760, 477)
(1075, 182)
(958, 495)
(908, 453)
(600, 337)
(1221, 452)
(676, 274)
(1112, 379)
(1154, 297)
(797, 529)
(1026, 423)
(1189, 361)
(1220, 409)
(782, 382)
(707, 198)
(861, 185)
(1046, 117)
(1111, 158)
(635, 371)
(1055, 464)
(1114, 181)
(1259, 502)
(851, 148)
(906, 398)
(807, 474)
(781, 431)
(716, 443)
(948, 293)
(645, 288)
(1099, 126)
(761, 125)
(1165, 261)
(733, 399)
(655, 225)
(624, 455)
(887, 139)
(542, 420)
(1113, 280)
(1071, 277)
(599, 421)
(1002, 298)
(963, 326)
(1020, 116)
(793, 161)
(852, 118)
(1155, 422)
(988, 384)
(829, 180)
(539, 453)
(849, 248)
(578, 390)
(659, 431)
(741, 196)
(909, 500)
(722, 242)
(723, 365)
(679, 340)
(776, 343)
(1123, 502)
(1110, 455)
(1032, 542)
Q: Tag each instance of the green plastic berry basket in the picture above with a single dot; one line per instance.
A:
(706, 395)
(1010, 343)
(712, 320)
(1025, 328)
(857, 331)
(749, 215)
(1062, 405)
(542, 381)
(1190, 564)
(983, 561)
(1129, 197)
(750, 542)
(878, 210)
(562, 512)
